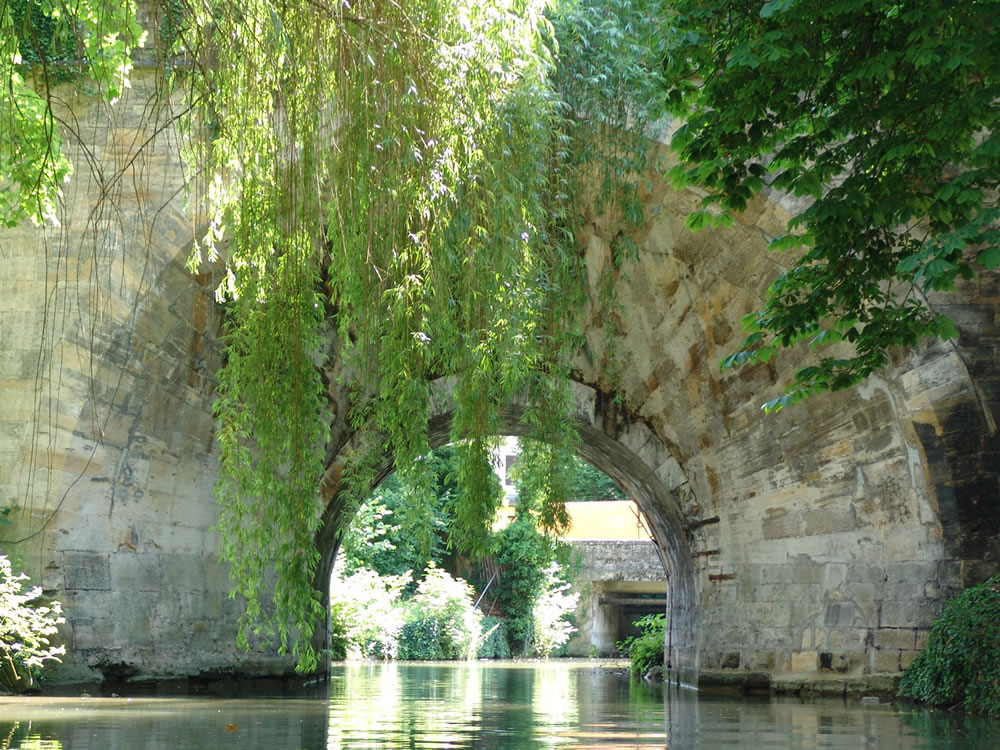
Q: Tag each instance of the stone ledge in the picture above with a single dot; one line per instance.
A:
(811, 684)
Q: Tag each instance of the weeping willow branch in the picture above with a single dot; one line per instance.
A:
(424, 161)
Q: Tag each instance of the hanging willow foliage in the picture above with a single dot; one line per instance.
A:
(408, 171)
(421, 158)
(41, 43)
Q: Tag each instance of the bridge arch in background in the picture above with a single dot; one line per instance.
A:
(624, 448)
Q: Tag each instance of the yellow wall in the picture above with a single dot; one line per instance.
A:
(605, 520)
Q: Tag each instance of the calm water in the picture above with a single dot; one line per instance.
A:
(509, 706)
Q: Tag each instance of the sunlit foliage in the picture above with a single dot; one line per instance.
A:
(95, 39)
(883, 117)
(408, 171)
(26, 627)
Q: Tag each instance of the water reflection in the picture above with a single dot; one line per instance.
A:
(481, 705)
(448, 705)
(20, 735)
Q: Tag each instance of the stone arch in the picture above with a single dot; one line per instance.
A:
(841, 524)
(619, 444)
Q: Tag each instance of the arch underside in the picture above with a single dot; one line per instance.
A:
(628, 452)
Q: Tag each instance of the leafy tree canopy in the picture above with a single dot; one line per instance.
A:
(392, 534)
(883, 115)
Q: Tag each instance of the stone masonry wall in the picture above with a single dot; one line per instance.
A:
(842, 523)
(107, 374)
(619, 561)
(826, 536)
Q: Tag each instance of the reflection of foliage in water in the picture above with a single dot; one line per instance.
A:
(20, 737)
(946, 731)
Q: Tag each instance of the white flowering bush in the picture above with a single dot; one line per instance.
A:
(442, 621)
(551, 627)
(25, 628)
(365, 619)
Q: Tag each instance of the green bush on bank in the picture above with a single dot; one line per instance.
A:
(25, 628)
(645, 650)
(494, 643)
(961, 664)
(452, 624)
(366, 615)
(421, 640)
(371, 619)
(524, 555)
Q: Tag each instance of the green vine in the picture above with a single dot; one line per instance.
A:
(438, 191)
(34, 55)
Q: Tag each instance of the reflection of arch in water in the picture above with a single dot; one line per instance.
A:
(618, 444)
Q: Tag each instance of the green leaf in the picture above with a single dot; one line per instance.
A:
(697, 220)
(772, 7)
(990, 257)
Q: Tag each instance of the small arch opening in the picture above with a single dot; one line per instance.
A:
(628, 452)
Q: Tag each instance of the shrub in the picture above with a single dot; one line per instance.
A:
(645, 650)
(25, 628)
(448, 602)
(523, 555)
(421, 639)
(493, 644)
(365, 619)
(961, 664)
(551, 626)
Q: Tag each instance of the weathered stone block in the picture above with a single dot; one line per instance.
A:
(921, 639)
(731, 660)
(846, 639)
(886, 661)
(805, 661)
(131, 571)
(905, 657)
(806, 571)
(90, 632)
(781, 525)
(895, 638)
(911, 573)
(918, 613)
(829, 520)
(839, 614)
(866, 573)
(86, 571)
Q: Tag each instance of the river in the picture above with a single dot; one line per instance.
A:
(508, 706)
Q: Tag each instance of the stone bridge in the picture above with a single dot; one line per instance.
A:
(827, 535)
(618, 582)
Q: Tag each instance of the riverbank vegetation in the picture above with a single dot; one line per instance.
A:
(373, 618)
(381, 609)
(645, 650)
(960, 667)
(26, 625)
